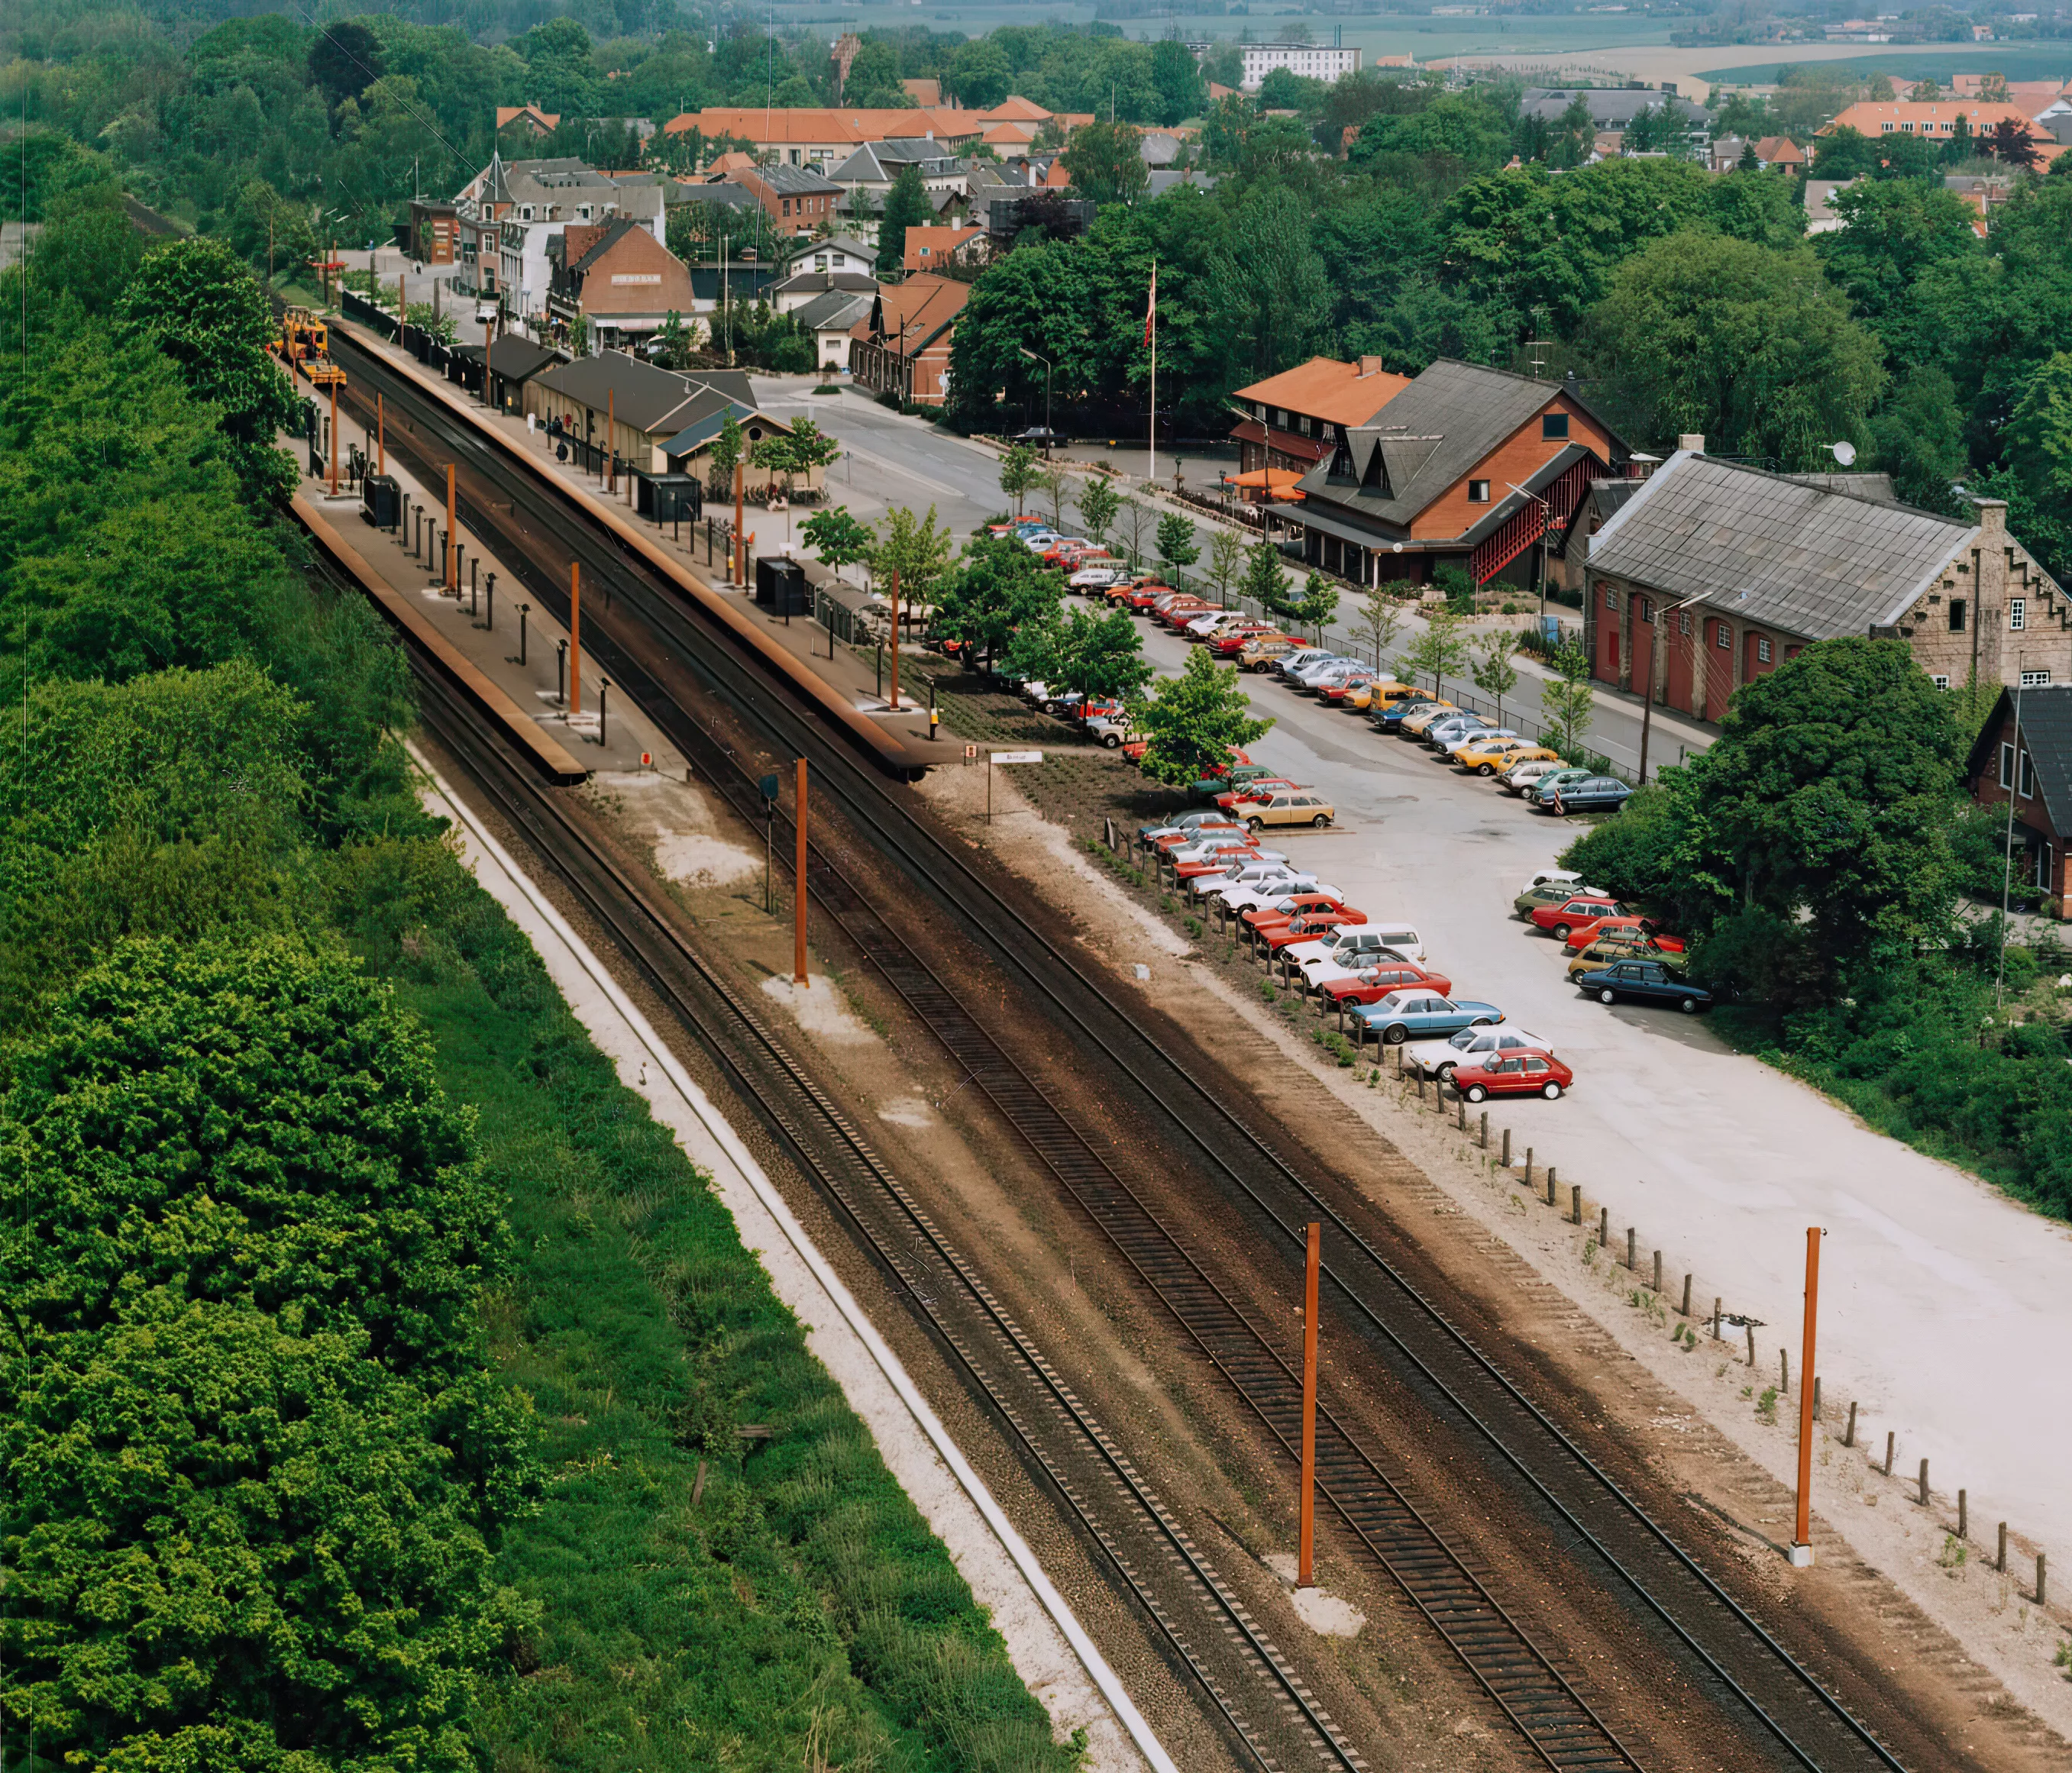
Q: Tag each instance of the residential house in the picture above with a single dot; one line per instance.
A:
(619, 279)
(798, 200)
(823, 138)
(833, 318)
(838, 252)
(1613, 108)
(1467, 467)
(617, 402)
(803, 287)
(926, 94)
(1294, 419)
(1822, 217)
(511, 362)
(510, 210)
(1750, 568)
(1156, 183)
(1935, 119)
(434, 232)
(936, 248)
(901, 347)
(874, 165)
(530, 118)
(1780, 153)
(2023, 754)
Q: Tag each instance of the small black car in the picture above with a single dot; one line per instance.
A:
(1649, 982)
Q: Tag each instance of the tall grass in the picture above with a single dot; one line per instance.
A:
(800, 1615)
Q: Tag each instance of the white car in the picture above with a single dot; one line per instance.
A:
(1267, 893)
(1547, 876)
(1372, 937)
(1223, 844)
(1308, 676)
(1496, 735)
(1250, 873)
(1096, 578)
(1357, 948)
(1518, 778)
(1105, 730)
(1326, 677)
(1470, 1046)
(1302, 660)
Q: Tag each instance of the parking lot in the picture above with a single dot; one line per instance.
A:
(1929, 1277)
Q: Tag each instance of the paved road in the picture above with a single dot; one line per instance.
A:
(897, 460)
(1930, 1281)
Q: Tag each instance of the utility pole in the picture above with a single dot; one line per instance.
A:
(451, 581)
(1802, 1543)
(1654, 675)
(2007, 859)
(1305, 1560)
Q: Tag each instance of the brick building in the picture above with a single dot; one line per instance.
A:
(1295, 418)
(902, 347)
(797, 199)
(1747, 569)
(2023, 753)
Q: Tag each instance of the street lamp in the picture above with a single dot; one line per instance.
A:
(1037, 357)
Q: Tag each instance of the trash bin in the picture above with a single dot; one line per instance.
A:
(381, 501)
(780, 585)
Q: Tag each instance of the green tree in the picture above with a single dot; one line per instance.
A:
(1380, 615)
(1226, 562)
(998, 589)
(1106, 161)
(1266, 580)
(1319, 604)
(979, 75)
(1748, 162)
(1098, 502)
(1194, 721)
(1103, 654)
(906, 206)
(839, 539)
(1132, 516)
(799, 451)
(1053, 482)
(729, 451)
(1017, 473)
(2041, 427)
(1182, 92)
(1440, 651)
(1919, 432)
(1177, 547)
(917, 549)
(89, 248)
(202, 307)
(1745, 343)
(1893, 230)
(1496, 671)
(345, 59)
(1567, 699)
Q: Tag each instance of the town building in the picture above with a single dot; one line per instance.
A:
(1933, 118)
(1324, 62)
(833, 318)
(1295, 419)
(509, 211)
(1773, 154)
(824, 138)
(797, 199)
(619, 279)
(434, 231)
(874, 165)
(901, 347)
(838, 252)
(2023, 754)
(1467, 467)
(529, 118)
(1822, 217)
(803, 287)
(614, 402)
(938, 248)
(1612, 109)
(1724, 571)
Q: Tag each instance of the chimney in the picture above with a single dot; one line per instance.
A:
(1692, 441)
(1369, 366)
(1992, 521)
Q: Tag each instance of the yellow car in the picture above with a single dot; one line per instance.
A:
(1414, 725)
(1292, 807)
(1378, 694)
(1617, 945)
(1485, 760)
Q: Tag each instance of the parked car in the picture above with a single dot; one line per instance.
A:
(1307, 928)
(1232, 776)
(1296, 905)
(1396, 716)
(1241, 641)
(1354, 951)
(1646, 982)
(1553, 892)
(1186, 822)
(1526, 770)
(1371, 984)
(1365, 698)
(1109, 730)
(1091, 579)
(1514, 1074)
(1646, 928)
(1415, 724)
(1213, 843)
(1611, 946)
(1268, 893)
(1567, 877)
(1301, 658)
(1415, 1012)
(1290, 809)
(1303, 677)
(1261, 788)
(1553, 781)
(1264, 651)
(1561, 916)
(1443, 735)
(1242, 875)
(1592, 794)
(1469, 1046)
(1188, 872)
(1492, 757)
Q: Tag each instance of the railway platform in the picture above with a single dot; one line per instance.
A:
(699, 550)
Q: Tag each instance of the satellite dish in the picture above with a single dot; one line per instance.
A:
(1844, 453)
(1399, 547)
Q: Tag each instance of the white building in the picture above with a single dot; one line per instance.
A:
(1312, 61)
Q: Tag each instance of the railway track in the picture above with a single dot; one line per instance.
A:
(1266, 1708)
(1731, 1658)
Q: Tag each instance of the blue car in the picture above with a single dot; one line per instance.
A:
(1644, 981)
(1424, 1016)
(1592, 794)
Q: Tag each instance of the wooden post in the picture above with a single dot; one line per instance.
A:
(575, 637)
(1632, 1249)
(1924, 1484)
(799, 890)
(1999, 1563)
(452, 584)
(895, 640)
(1890, 1440)
(1485, 1132)
(1802, 1546)
(1550, 1184)
(2042, 1580)
(1305, 1561)
(1576, 1203)
(1685, 1310)
(1849, 1437)
(1528, 1168)
(1604, 1228)
(1658, 1270)
(1750, 1328)
(1506, 1147)
(1784, 1370)
(1963, 1515)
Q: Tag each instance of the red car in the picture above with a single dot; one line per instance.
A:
(1373, 983)
(1514, 1073)
(1217, 864)
(1296, 905)
(1659, 939)
(1134, 749)
(1182, 610)
(1233, 641)
(1263, 788)
(1141, 599)
(1569, 915)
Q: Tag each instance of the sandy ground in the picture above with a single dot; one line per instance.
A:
(1734, 1462)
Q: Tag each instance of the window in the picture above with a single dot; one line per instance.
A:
(1554, 425)
(2043, 866)
(2035, 680)
(2007, 766)
(1647, 609)
(1611, 598)
(1479, 492)
(1956, 615)
(1721, 638)
(1761, 649)
(2028, 775)
(2017, 613)
(1940, 681)
(1684, 622)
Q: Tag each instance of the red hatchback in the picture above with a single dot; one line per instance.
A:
(1296, 905)
(1306, 928)
(1570, 914)
(1373, 983)
(1514, 1073)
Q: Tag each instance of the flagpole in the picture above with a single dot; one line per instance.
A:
(1151, 478)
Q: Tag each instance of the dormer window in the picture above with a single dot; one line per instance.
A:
(526, 213)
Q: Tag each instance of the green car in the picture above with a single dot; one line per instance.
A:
(1544, 789)
(1236, 776)
(1547, 893)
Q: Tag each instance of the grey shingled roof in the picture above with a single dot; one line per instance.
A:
(1776, 551)
(2046, 735)
(838, 309)
(1428, 436)
(643, 396)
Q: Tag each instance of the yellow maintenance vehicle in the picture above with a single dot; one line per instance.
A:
(305, 343)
